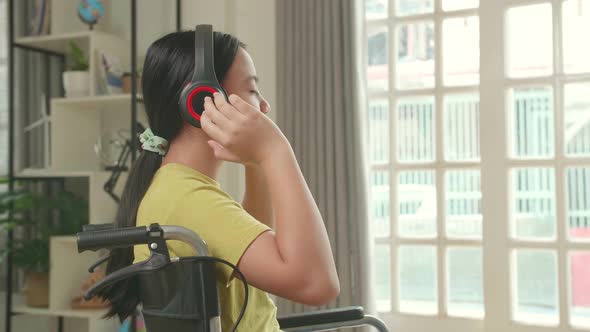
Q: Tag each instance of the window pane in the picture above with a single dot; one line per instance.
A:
(461, 51)
(530, 41)
(463, 204)
(533, 203)
(580, 288)
(536, 287)
(415, 56)
(415, 130)
(378, 69)
(449, 5)
(465, 282)
(379, 182)
(577, 119)
(578, 203)
(416, 194)
(378, 131)
(382, 275)
(376, 9)
(576, 23)
(414, 7)
(532, 122)
(418, 279)
(461, 126)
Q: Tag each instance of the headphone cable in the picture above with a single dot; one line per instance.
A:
(235, 269)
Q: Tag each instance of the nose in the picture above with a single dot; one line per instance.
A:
(264, 106)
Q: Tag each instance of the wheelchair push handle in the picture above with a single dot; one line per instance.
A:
(112, 238)
(95, 237)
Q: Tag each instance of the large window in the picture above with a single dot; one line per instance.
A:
(480, 193)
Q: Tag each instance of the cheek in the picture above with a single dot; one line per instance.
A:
(245, 95)
(250, 99)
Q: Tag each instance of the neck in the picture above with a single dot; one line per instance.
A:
(190, 148)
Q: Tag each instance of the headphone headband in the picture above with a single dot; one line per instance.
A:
(204, 65)
(204, 82)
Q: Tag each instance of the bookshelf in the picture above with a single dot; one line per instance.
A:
(75, 126)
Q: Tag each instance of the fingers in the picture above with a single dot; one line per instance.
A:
(215, 115)
(224, 107)
(211, 128)
(221, 153)
(241, 105)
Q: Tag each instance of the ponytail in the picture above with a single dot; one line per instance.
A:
(124, 296)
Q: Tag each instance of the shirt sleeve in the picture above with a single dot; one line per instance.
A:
(227, 229)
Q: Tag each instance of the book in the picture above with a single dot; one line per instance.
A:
(40, 18)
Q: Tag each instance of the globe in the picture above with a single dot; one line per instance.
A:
(90, 11)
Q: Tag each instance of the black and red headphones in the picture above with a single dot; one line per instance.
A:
(204, 82)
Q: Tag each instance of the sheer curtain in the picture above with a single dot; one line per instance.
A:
(3, 114)
(321, 101)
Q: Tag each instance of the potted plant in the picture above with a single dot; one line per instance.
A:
(32, 252)
(127, 81)
(77, 78)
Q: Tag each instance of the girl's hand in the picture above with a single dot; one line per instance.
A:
(239, 132)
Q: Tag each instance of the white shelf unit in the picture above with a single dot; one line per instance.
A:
(90, 42)
(63, 274)
(73, 313)
(102, 208)
(118, 101)
(76, 125)
(59, 43)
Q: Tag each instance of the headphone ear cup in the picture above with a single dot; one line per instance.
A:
(192, 99)
(185, 107)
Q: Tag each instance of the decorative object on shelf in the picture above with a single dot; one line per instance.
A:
(77, 78)
(109, 146)
(32, 253)
(111, 74)
(78, 302)
(89, 11)
(42, 123)
(40, 18)
(127, 82)
(36, 289)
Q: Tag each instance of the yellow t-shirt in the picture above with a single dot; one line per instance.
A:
(182, 196)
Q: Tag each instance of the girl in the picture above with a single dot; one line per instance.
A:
(276, 237)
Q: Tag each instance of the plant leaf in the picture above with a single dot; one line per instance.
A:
(80, 61)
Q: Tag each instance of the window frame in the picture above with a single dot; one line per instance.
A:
(495, 163)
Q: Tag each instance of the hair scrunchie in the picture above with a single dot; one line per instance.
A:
(153, 143)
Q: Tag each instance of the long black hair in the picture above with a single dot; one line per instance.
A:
(168, 67)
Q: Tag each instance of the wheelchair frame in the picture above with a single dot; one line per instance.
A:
(201, 314)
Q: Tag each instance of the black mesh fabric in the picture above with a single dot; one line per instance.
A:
(180, 297)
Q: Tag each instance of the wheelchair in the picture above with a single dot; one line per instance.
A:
(180, 294)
